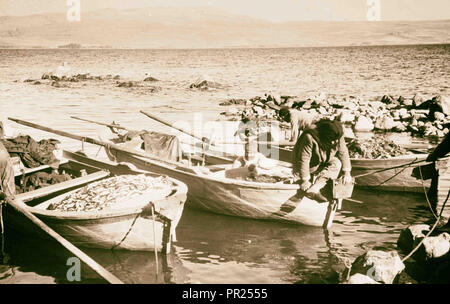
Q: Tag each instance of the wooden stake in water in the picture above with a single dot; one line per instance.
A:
(154, 240)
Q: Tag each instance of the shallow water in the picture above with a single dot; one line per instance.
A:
(214, 248)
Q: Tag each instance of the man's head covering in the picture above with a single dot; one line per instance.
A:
(285, 114)
(330, 130)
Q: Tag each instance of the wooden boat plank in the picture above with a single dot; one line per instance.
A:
(106, 228)
(237, 197)
(36, 169)
(27, 196)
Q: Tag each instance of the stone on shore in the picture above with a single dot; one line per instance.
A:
(233, 101)
(433, 247)
(150, 78)
(442, 102)
(57, 84)
(364, 124)
(385, 123)
(204, 83)
(417, 100)
(127, 84)
(360, 279)
(381, 266)
(409, 236)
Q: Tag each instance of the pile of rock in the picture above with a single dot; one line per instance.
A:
(205, 83)
(429, 264)
(262, 108)
(77, 77)
(375, 267)
(57, 80)
(416, 115)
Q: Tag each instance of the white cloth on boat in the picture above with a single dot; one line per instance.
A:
(161, 145)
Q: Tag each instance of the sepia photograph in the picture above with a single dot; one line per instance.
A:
(224, 147)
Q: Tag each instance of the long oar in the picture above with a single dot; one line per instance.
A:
(101, 123)
(92, 141)
(19, 206)
(164, 122)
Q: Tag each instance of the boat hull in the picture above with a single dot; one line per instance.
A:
(399, 179)
(128, 229)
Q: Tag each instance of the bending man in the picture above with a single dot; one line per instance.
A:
(299, 120)
(319, 155)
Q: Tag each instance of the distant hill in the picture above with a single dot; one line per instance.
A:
(206, 27)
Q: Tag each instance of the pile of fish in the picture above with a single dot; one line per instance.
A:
(418, 115)
(264, 178)
(105, 193)
(374, 148)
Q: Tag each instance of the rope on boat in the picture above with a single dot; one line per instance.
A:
(393, 176)
(99, 149)
(391, 168)
(128, 232)
(429, 233)
(348, 265)
(426, 194)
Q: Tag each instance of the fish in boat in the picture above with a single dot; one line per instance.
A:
(210, 189)
(129, 226)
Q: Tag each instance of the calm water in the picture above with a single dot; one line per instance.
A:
(213, 248)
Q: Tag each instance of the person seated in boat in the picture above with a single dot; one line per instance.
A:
(248, 133)
(8, 188)
(318, 156)
(298, 120)
(252, 159)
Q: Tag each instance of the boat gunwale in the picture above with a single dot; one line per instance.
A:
(178, 189)
(227, 181)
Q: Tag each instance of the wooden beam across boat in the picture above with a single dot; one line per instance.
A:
(92, 141)
(31, 195)
(20, 207)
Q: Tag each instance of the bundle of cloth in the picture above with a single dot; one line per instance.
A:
(160, 145)
(33, 154)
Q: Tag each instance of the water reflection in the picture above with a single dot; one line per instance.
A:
(213, 248)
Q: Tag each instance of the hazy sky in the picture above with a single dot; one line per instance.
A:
(273, 10)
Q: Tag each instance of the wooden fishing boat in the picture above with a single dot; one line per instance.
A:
(404, 177)
(127, 227)
(401, 178)
(211, 190)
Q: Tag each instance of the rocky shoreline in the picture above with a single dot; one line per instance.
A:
(418, 115)
(429, 264)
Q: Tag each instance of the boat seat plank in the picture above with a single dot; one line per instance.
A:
(36, 169)
(31, 195)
